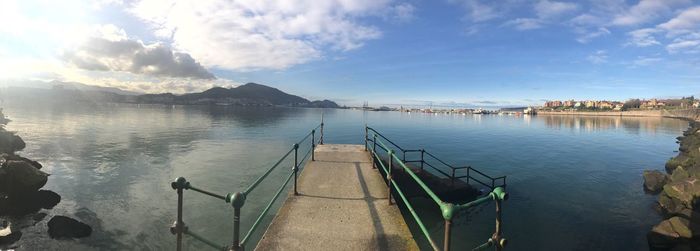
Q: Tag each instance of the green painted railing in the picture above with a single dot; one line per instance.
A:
(427, 159)
(448, 210)
(237, 200)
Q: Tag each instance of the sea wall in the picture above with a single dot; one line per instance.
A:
(689, 114)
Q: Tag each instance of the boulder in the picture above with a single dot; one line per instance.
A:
(654, 180)
(662, 236)
(20, 177)
(686, 190)
(65, 227)
(679, 174)
(669, 233)
(671, 206)
(10, 143)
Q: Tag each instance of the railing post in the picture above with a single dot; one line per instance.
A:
(178, 226)
(468, 177)
(237, 201)
(296, 167)
(388, 176)
(374, 150)
(321, 142)
(366, 136)
(422, 160)
(497, 235)
(313, 145)
(404, 156)
(448, 212)
(452, 181)
(448, 234)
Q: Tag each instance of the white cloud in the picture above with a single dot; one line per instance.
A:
(403, 12)
(643, 37)
(598, 57)
(687, 21)
(549, 9)
(683, 45)
(111, 50)
(251, 34)
(586, 36)
(525, 23)
(478, 11)
(646, 61)
(646, 11)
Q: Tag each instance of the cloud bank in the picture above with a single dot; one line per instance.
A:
(112, 50)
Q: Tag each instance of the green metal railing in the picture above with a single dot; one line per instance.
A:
(448, 210)
(237, 200)
(433, 162)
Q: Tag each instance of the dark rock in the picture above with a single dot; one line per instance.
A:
(670, 206)
(669, 233)
(654, 180)
(65, 227)
(29, 203)
(9, 142)
(9, 239)
(19, 177)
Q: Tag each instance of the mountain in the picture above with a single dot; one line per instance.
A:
(250, 94)
(61, 85)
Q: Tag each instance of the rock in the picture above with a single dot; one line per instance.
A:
(9, 142)
(662, 236)
(686, 191)
(29, 203)
(679, 174)
(20, 177)
(65, 227)
(671, 206)
(12, 238)
(654, 180)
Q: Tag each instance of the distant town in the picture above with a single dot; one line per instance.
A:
(556, 105)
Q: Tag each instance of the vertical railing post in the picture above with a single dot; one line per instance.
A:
(388, 176)
(374, 141)
(313, 145)
(237, 201)
(178, 226)
(366, 136)
(452, 181)
(321, 142)
(497, 234)
(422, 160)
(296, 167)
(493, 184)
(404, 156)
(448, 234)
(468, 175)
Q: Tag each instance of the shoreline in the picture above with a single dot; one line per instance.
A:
(686, 114)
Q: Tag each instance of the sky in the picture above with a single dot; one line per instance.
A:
(411, 52)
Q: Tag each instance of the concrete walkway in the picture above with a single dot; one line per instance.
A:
(342, 205)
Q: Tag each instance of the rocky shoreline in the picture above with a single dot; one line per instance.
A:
(21, 198)
(678, 190)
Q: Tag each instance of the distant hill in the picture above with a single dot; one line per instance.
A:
(250, 94)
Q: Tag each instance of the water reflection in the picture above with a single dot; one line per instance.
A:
(604, 123)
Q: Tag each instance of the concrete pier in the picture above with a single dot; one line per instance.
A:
(342, 205)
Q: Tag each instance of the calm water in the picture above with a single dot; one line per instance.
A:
(575, 182)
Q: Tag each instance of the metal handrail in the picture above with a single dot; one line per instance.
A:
(491, 183)
(237, 200)
(448, 210)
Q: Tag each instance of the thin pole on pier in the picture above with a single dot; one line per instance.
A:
(388, 175)
(321, 143)
(448, 234)
(313, 145)
(296, 167)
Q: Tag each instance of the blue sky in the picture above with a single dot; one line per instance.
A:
(462, 52)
